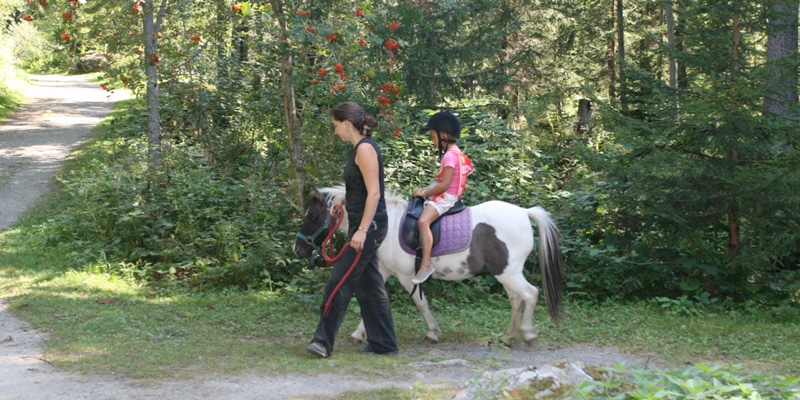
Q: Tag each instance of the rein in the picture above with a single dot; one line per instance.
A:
(336, 215)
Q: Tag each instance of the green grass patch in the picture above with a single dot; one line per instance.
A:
(755, 339)
(11, 98)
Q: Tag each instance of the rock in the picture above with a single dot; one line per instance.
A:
(548, 379)
(90, 62)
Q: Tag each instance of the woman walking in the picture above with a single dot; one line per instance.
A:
(366, 213)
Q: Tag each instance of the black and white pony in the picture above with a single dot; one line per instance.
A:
(499, 238)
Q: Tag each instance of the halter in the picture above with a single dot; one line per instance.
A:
(310, 240)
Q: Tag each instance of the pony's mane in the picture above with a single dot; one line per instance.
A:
(394, 199)
(335, 194)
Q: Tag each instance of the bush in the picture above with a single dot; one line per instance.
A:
(191, 223)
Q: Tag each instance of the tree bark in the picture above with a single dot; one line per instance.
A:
(150, 27)
(612, 54)
(734, 210)
(289, 101)
(673, 63)
(623, 100)
(584, 125)
(781, 87)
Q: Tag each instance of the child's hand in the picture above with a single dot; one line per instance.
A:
(418, 192)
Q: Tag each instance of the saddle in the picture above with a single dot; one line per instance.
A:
(452, 232)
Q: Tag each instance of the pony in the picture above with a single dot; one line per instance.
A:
(501, 240)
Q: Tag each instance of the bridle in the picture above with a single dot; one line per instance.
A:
(311, 239)
(335, 213)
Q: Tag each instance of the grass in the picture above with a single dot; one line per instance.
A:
(10, 96)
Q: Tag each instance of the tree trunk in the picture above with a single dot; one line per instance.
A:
(683, 74)
(150, 27)
(623, 100)
(289, 101)
(734, 211)
(673, 63)
(511, 89)
(219, 110)
(612, 54)
(733, 231)
(584, 125)
(781, 94)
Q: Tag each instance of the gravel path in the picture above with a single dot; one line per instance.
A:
(59, 115)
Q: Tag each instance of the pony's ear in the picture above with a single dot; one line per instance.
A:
(313, 195)
(316, 195)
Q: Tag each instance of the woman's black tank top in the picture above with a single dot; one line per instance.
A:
(356, 196)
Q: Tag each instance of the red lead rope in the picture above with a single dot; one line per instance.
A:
(336, 213)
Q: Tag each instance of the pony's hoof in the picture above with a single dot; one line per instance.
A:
(530, 337)
(355, 340)
(431, 340)
(508, 341)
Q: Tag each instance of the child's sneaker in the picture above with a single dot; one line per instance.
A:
(423, 276)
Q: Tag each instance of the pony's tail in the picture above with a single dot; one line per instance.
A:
(550, 261)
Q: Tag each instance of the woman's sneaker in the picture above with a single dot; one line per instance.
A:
(317, 349)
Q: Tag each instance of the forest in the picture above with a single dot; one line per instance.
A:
(661, 135)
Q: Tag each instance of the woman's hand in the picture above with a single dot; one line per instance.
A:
(357, 241)
(418, 192)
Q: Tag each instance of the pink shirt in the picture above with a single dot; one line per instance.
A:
(462, 167)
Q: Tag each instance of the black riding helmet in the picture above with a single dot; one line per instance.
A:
(444, 121)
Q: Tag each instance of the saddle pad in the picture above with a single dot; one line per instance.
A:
(455, 234)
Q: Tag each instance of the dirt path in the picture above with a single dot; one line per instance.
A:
(59, 115)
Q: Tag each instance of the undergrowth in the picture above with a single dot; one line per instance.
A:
(193, 224)
(696, 382)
